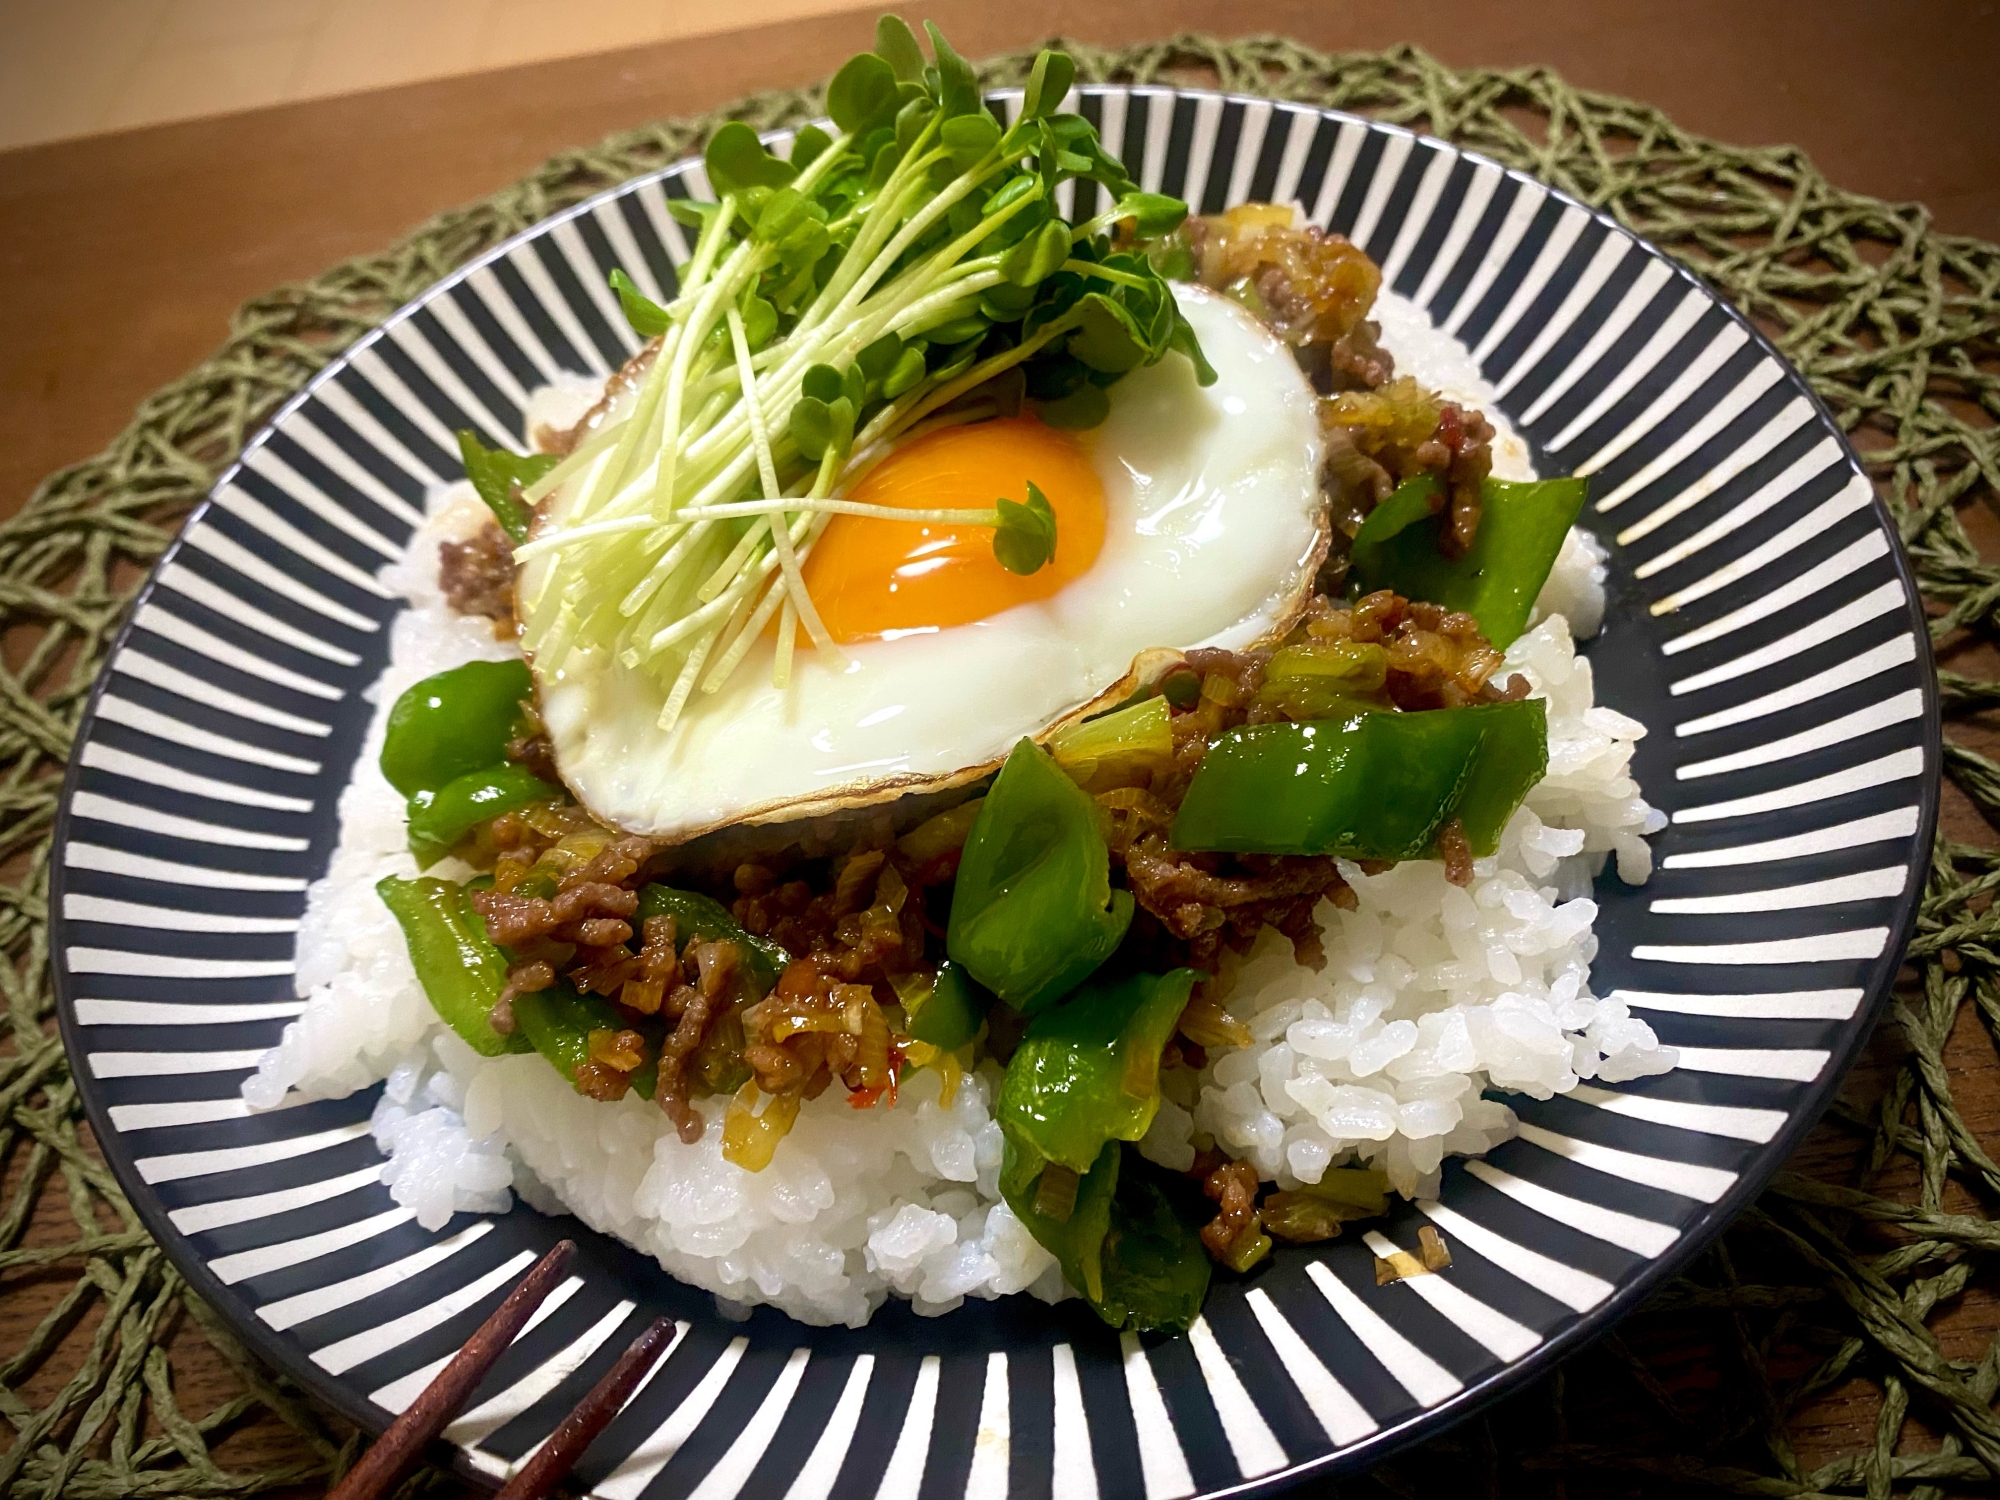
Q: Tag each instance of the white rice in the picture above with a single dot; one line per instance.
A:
(1431, 994)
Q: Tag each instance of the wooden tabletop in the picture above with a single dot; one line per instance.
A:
(122, 256)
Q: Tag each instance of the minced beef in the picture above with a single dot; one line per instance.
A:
(477, 577)
(1308, 286)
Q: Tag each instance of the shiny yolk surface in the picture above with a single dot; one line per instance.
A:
(872, 578)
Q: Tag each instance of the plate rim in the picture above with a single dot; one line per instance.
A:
(1700, 1233)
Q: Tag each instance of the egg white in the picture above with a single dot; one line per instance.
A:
(1213, 528)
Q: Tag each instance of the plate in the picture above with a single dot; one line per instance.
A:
(1762, 621)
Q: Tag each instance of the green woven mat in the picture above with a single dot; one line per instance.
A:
(1870, 1280)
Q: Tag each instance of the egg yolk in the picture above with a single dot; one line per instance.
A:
(872, 578)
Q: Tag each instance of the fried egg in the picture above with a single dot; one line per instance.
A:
(1191, 517)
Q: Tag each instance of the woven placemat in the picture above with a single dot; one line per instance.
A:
(1861, 1285)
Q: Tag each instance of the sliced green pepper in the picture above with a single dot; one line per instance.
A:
(461, 971)
(1512, 757)
(1156, 1268)
(1088, 1070)
(1137, 1261)
(703, 917)
(954, 1011)
(1076, 1239)
(439, 819)
(1369, 786)
(455, 722)
(1033, 911)
(1521, 529)
(498, 476)
(558, 1022)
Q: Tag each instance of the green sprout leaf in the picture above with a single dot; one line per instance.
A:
(1107, 337)
(736, 160)
(841, 413)
(879, 358)
(1014, 189)
(808, 146)
(692, 213)
(819, 427)
(1152, 214)
(1025, 539)
(908, 370)
(648, 319)
(970, 137)
(784, 211)
(821, 383)
(957, 330)
(911, 120)
(1184, 340)
(812, 426)
(863, 94)
(1037, 257)
(1083, 408)
(497, 476)
(958, 89)
(1048, 85)
(897, 45)
(1005, 303)
(760, 321)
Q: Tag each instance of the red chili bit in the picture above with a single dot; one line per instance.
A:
(541, 1474)
(377, 1472)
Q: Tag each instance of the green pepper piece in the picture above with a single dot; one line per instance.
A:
(461, 971)
(439, 819)
(1078, 1240)
(558, 1022)
(1033, 912)
(699, 916)
(955, 1011)
(1088, 1070)
(1521, 529)
(499, 475)
(1137, 1261)
(1411, 501)
(1156, 1268)
(1512, 757)
(1370, 786)
(458, 721)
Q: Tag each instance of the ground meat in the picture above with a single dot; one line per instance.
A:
(1233, 1188)
(1356, 361)
(1212, 901)
(1455, 849)
(1461, 453)
(1376, 439)
(815, 1027)
(869, 927)
(536, 752)
(1436, 658)
(477, 577)
(581, 928)
(715, 967)
(1309, 286)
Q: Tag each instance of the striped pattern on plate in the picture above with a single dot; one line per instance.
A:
(1762, 622)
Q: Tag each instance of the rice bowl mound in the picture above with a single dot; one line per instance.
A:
(1431, 995)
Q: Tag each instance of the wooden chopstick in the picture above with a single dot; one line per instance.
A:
(538, 1477)
(383, 1466)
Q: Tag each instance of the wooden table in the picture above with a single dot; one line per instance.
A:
(121, 256)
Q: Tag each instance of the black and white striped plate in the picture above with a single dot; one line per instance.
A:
(1762, 621)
